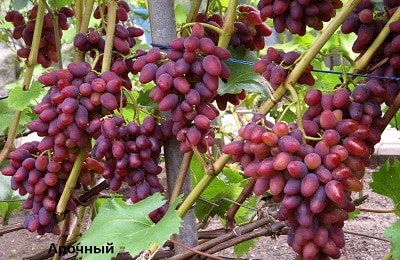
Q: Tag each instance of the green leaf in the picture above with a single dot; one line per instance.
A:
(129, 226)
(19, 99)
(216, 198)
(7, 195)
(101, 201)
(231, 176)
(7, 116)
(386, 182)
(243, 248)
(20, 4)
(395, 121)
(180, 14)
(242, 75)
(393, 232)
(144, 100)
(61, 3)
(354, 214)
(10, 208)
(3, 209)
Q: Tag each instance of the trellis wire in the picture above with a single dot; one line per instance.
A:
(251, 63)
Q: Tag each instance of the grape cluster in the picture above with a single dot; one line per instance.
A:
(310, 181)
(67, 118)
(23, 29)
(186, 78)
(295, 15)
(313, 177)
(34, 172)
(249, 31)
(275, 65)
(93, 42)
(131, 153)
(365, 24)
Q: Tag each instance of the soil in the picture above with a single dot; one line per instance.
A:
(362, 236)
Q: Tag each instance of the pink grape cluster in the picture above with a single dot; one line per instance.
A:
(363, 23)
(25, 26)
(275, 65)
(186, 79)
(67, 119)
(296, 15)
(33, 172)
(310, 181)
(367, 23)
(93, 42)
(131, 154)
(249, 32)
(313, 179)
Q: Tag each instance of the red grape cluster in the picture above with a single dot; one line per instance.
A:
(186, 78)
(364, 24)
(275, 65)
(68, 117)
(122, 11)
(295, 15)
(367, 23)
(24, 29)
(313, 179)
(131, 152)
(250, 28)
(33, 171)
(93, 42)
(310, 181)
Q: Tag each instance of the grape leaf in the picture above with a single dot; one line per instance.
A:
(62, 3)
(7, 195)
(7, 116)
(18, 5)
(243, 248)
(180, 14)
(393, 232)
(242, 75)
(19, 99)
(129, 226)
(7, 208)
(386, 181)
(395, 121)
(3, 209)
(144, 100)
(353, 214)
(217, 198)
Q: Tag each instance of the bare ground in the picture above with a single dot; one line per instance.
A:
(21, 244)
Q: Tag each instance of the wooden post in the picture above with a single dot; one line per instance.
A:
(163, 30)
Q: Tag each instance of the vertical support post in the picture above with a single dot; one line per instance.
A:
(163, 30)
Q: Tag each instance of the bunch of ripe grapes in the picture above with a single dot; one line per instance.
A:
(24, 26)
(250, 29)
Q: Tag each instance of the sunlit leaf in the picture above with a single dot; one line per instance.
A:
(19, 99)
(394, 233)
(129, 227)
(386, 181)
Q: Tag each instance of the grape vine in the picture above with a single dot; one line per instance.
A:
(93, 126)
